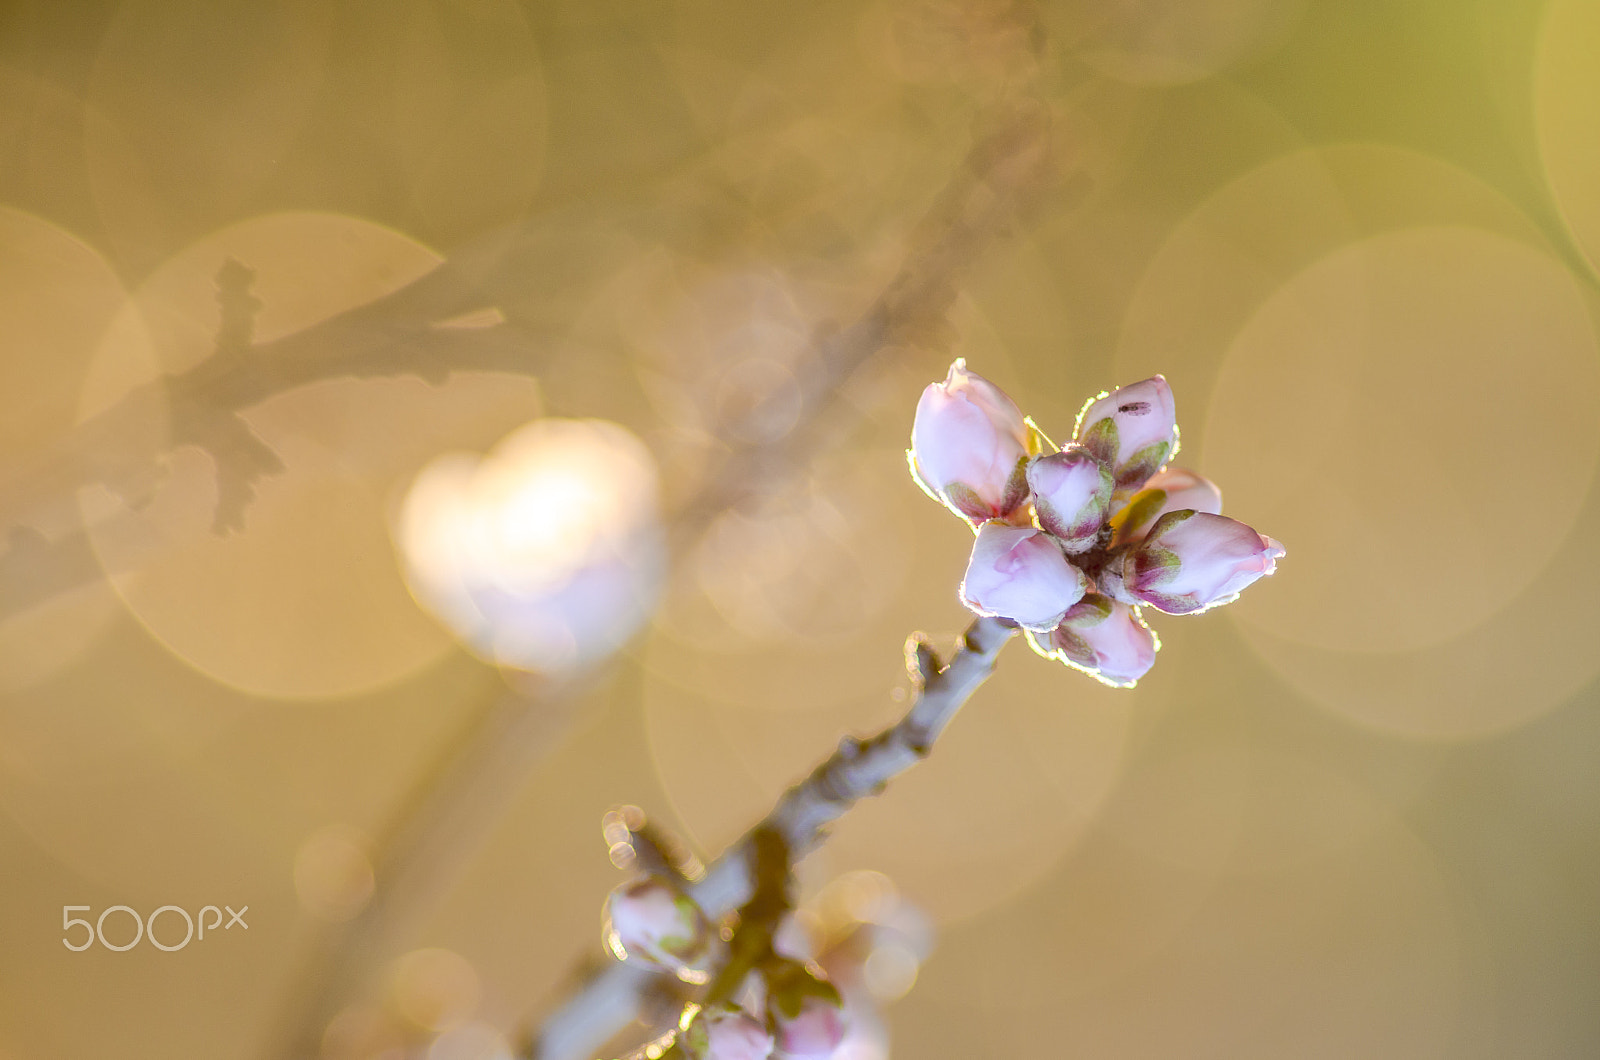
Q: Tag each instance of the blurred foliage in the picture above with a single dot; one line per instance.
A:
(1354, 817)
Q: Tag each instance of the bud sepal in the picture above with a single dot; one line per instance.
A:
(1105, 638)
(1191, 561)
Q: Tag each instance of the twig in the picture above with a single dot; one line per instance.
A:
(456, 807)
(457, 804)
(400, 334)
(603, 1005)
(397, 334)
(771, 865)
(449, 812)
(394, 335)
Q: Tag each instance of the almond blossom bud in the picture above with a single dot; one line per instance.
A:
(1106, 639)
(968, 442)
(1133, 429)
(806, 1011)
(1020, 573)
(723, 1031)
(649, 921)
(1071, 491)
(1171, 490)
(814, 1032)
(1194, 560)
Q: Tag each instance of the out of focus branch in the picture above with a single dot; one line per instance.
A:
(452, 810)
(1007, 168)
(406, 332)
(603, 1005)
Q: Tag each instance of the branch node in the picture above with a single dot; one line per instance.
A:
(922, 662)
(239, 306)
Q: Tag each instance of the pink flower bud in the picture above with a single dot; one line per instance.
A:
(1020, 573)
(722, 1031)
(1106, 639)
(650, 922)
(1172, 490)
(814, 1032)
(1071, 491)
(1133, 429)
(968, 442)
(1194, 560)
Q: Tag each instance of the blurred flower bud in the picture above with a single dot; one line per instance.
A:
(806, 1012)
(1133, 429)
(545, 554)
(968, 442)
(1194, 560)
(1020, 573)
(650, 921)
(813, 1032)
(722, 1031)
(1106, 639)
(1071, 491)
(1172, 490)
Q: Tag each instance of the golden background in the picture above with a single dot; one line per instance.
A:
(1352, 815)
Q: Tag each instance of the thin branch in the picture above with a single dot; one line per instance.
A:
(448, 814)
(399, 334)
(771, 866)
(404, 333)
(453, 810)
(608, 1001)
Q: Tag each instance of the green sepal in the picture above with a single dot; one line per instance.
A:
(789, 983)
(1092, 610)
(1072, 648)
(965, 502)
(1101, 440)
(1016, 487)
(1137, 512)
(1184, 604)
(1153, 565)
(1167, 522)
(1142, 464)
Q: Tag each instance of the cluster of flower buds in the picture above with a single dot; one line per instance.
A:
(805, 1012)
(803, 1018)
(1072, 542)
(796, 1015)
(723, 1031)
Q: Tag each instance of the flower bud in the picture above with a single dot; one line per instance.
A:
(806, 1012)
(1133, 430)
(1194, 560)
(651, 922)
(1171, 490)
(1020, 573)
(723, 1031)
(814, 1033)
(1106, 639)
(968, 443)
(1071, 491)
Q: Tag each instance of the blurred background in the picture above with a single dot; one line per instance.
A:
(515, 459)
